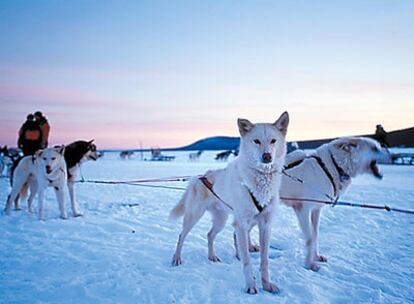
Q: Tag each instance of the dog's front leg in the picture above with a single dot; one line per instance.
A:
(264, 235)
(40, 197)
(241, 237)
(61, 200)
(72, 196)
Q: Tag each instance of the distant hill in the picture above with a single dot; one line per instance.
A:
(214, 143)
(397, 138)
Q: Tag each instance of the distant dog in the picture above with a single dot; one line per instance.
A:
(223, 156)
(126, 154)
(248, 187)
(7, 159)
(47, 168)
(195, 155)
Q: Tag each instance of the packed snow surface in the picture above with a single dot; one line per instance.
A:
(120, 251)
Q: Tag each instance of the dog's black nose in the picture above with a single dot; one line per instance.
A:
(266, 158)
(48, 169)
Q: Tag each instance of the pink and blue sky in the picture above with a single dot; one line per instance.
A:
(168, 73)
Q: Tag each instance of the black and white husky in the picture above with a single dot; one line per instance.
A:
(75, 154)
(50, 167)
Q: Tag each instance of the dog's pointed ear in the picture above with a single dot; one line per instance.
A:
(348, 146)
(60, 149)
(90, 142)
(282, 123)
(244, 126)
(38, 153)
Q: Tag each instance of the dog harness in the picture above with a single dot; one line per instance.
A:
(343, 176)
(209, 186)
(255, 202)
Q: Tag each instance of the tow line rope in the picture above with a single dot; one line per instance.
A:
(142, 183)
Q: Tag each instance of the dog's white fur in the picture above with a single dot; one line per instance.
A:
(248, 172)
(47, 168)
(355, 155)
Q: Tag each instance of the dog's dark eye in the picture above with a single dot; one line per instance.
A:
(44, 158)
(53, 158)
(273, 140)
(256, 141)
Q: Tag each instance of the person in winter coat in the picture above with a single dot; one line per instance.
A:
(45, 126)
(30, 136)
(381, 136)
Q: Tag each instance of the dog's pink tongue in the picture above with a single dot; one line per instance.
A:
(375, 170)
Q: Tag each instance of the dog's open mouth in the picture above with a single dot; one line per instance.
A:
(93, 157)
(375, 170)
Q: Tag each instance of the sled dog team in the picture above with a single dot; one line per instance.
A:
(249, 188)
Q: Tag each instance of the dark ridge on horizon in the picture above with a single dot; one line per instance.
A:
(396, 138)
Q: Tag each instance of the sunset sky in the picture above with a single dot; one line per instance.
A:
(168, 73)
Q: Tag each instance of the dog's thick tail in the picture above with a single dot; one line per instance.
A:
(178, 210)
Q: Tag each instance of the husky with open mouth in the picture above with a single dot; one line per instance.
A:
(325, 175)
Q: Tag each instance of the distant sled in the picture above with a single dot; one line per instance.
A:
(406, 159)
(157, 156)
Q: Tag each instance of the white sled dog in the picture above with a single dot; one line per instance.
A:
(47, 168)
(324, 175)
(248, 187)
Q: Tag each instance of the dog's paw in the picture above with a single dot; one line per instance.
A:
(254, 248)
(252, 290)
(214, 258)
(17, 208)
(313, 266)
(176, 261)
(270, 287)
(77, 214)
(64, 217)
(321, 258)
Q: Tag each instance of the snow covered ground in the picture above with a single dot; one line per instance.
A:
(120, 250)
